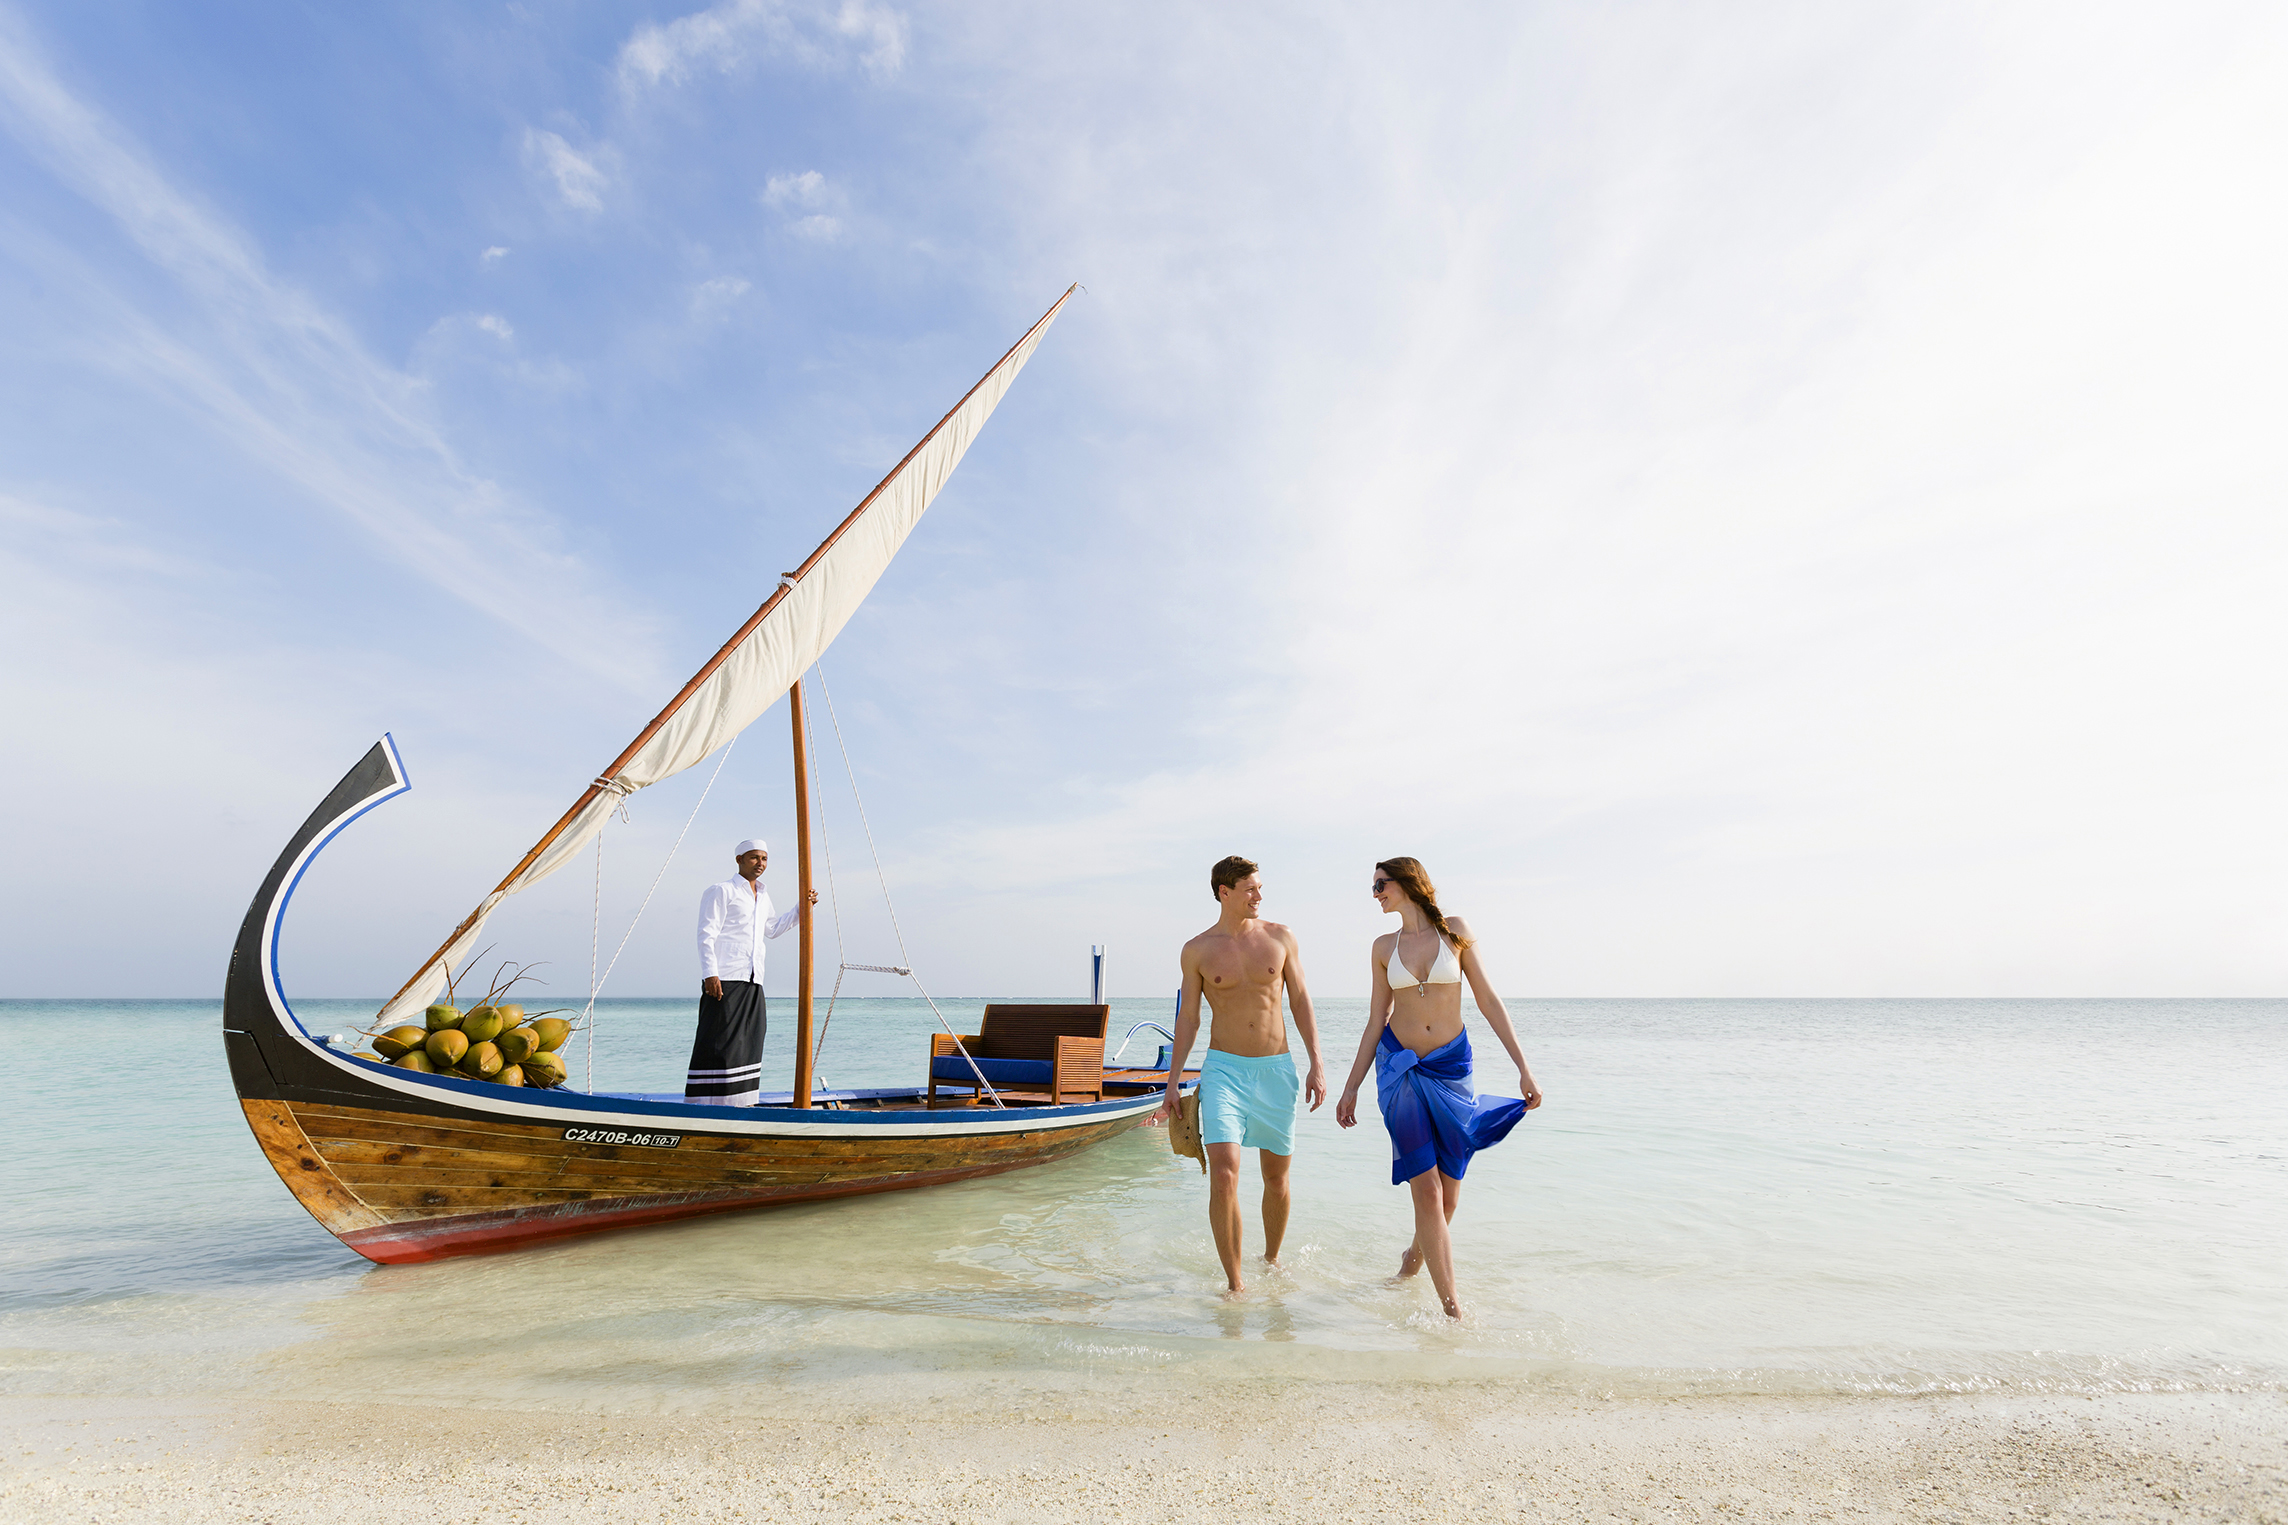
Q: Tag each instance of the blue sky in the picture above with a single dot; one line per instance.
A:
(1784, 501)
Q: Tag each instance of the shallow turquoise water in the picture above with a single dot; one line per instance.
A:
(1800, 1196)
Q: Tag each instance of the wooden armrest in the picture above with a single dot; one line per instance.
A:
(1079, 1066)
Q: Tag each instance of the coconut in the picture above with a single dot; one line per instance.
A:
(510, 1075)
(544, 1070)
(553, 1031)
(446, 1048)
(510, 1014)
(518, 1044)
(365, 1054)
(399, 1041)
(442, 1017)
(417, 1060)
(483, 1024)
(481, 1062)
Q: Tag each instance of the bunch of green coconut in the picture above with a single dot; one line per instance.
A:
(491, 1042)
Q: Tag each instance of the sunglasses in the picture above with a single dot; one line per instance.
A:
(1383, 884)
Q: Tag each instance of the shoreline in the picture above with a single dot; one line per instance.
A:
(1228, 1452)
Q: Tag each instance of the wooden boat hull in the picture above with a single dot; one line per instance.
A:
(402, 1166)
(398, 1191)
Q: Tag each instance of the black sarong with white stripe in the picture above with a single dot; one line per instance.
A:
(727, 1056)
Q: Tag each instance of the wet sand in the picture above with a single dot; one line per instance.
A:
(1253, 1451)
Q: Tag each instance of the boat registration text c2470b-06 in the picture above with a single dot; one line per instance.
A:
(622, 1136)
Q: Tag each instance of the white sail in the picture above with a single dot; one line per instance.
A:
(760, 664)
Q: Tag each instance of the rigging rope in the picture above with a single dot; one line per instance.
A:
(906, 958)
(595, 929)
(596, 985)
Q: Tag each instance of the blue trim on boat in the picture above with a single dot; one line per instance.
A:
(285, 897)
(1009, 1072)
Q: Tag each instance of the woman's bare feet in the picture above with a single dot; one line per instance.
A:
(1453, 1308)
(1410, 1261)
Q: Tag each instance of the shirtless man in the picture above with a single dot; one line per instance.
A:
(1247, 1082)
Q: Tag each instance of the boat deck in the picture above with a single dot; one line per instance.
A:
(1117, 1083)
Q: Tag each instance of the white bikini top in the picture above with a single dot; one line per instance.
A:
(1445, 969)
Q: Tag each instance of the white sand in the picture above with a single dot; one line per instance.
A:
(1333, 1451)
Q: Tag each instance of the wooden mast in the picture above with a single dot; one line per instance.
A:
(802, 1038)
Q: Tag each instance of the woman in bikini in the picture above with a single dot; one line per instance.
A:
(1414, 1038)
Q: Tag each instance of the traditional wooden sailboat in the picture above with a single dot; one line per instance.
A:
(406, 1166)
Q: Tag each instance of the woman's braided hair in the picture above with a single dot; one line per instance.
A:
(1409, 875)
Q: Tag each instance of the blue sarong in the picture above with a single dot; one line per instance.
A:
(1434, 1114)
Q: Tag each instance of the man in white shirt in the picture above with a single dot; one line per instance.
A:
(734, 917)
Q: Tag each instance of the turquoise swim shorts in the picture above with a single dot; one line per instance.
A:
(1248, 1101)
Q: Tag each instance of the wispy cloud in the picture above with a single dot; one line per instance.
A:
(801, 195)
(879, 32)
(93, 542)
(493, 255)
(725, 37)
(713, 296)
(579, 184)
(1749, 550)
(804, 189)
(293, 388)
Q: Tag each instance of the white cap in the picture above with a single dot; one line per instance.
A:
(751, 845)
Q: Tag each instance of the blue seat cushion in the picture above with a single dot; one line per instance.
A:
(1002, 1072)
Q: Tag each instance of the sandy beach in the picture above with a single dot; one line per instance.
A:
(1249, 1451)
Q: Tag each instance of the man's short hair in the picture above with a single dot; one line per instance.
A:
(1227, 874)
